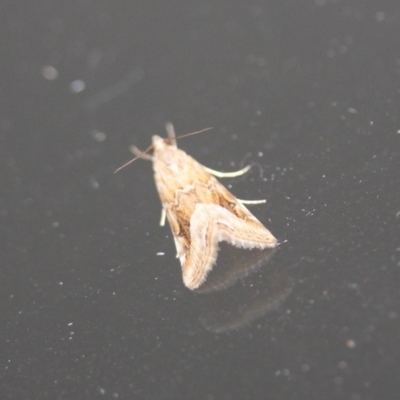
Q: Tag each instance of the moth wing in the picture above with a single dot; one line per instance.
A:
(210, 224)
(181, 242)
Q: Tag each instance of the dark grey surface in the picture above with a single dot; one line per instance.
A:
(307, 92)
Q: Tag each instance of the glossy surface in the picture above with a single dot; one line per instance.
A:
(92, 302)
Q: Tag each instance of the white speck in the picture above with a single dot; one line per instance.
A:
(260, 154)
(49, 73)
(55, 224)
(61, 283)
(160, 253)
(93, 183)
(353, 286)
(352, 110)
(98, 136)
(70, 323)
(101, 390)
(380, 16)
(305, 367)
(77, 86)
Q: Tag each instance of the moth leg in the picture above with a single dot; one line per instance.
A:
(252, 201)
(139, 153)
(163, 216)
(233, 174)
(171, 134)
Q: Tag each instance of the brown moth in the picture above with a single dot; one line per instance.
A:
(200, 211)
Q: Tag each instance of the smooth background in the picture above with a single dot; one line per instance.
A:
(305, 91)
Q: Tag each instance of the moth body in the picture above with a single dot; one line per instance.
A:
(201, 211)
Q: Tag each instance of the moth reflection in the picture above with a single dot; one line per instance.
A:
(241, 288)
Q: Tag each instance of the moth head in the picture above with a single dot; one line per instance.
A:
(159, 143)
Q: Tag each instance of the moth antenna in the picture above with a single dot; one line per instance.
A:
(134, 159)
(169, 139)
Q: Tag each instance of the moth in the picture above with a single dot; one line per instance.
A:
(201, 211)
